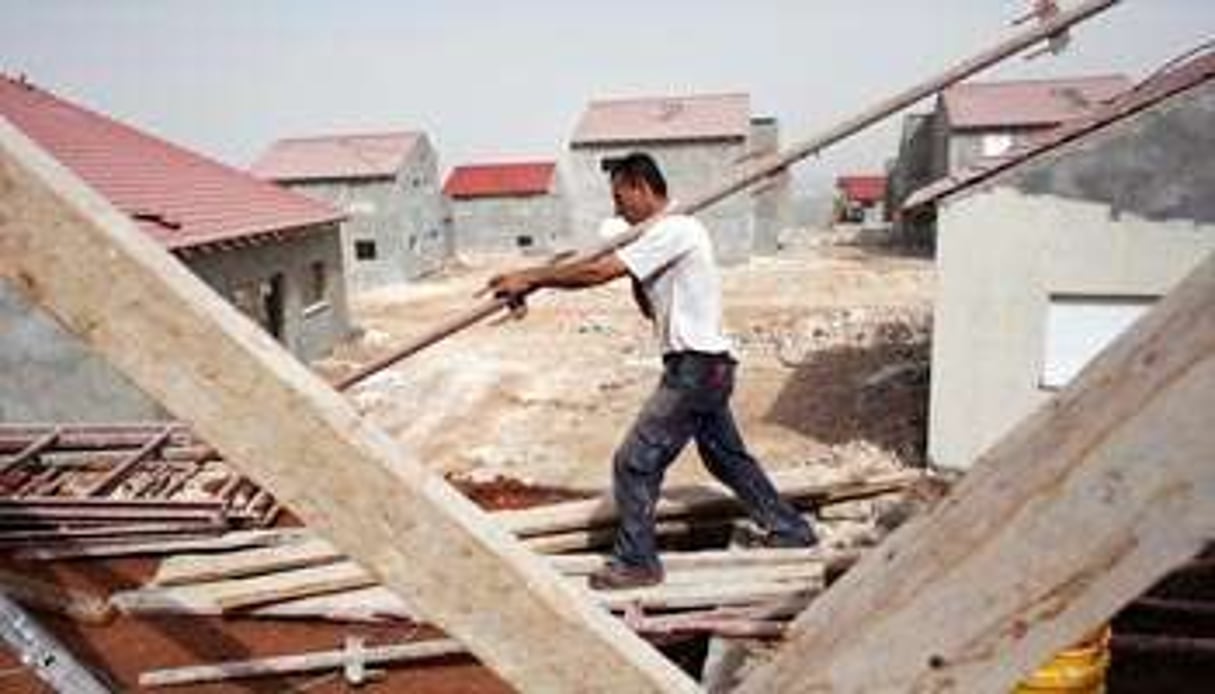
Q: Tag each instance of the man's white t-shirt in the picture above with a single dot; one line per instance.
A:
(674, 262)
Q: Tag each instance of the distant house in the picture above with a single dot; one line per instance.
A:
(387, 184)
(1047, 254)
(862, 199)
(985, 120)
(698, 141)
(507, 207)
(274, 254)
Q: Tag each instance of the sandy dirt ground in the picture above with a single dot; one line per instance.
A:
(832, 343)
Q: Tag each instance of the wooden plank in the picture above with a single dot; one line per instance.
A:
(686, 596)
(312, 551)
(41, 595)
(1077, 511)
(234, 540)
(804, 486)
(268, 415)
(201, 568)
(600, 537)
(314, 580)
(687, 585)
(299, 663)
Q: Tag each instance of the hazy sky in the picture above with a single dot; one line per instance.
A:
(507, 80)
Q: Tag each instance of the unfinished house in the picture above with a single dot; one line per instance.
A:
(1046, 256)
(507, 207)
(274, 254)
(388, 186)
(980, 121)
(698, 141)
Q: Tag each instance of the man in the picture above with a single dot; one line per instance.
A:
(672, 263)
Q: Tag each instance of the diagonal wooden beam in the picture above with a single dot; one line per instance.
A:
(1082, 507)
(86, 263)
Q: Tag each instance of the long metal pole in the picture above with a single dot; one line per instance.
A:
(766, 167)
(44, 654)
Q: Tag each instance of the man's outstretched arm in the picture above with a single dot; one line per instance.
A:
(577, 275)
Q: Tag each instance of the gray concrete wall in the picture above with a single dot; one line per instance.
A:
(690, 169)
(310, 328)
(47, 374)
(499, 224)
(772, 199)
(403, 216)
(1127, 212)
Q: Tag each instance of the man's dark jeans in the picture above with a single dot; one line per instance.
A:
(691, 402)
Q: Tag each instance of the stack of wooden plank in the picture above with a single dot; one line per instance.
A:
(300, 575)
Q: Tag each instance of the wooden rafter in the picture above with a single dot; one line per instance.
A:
(1079, 509)
(86, 263)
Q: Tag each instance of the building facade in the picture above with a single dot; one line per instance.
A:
(698, 141)
(271, 253)
(976, 124)
(1047, 258)
(396, 227)
(508, 207)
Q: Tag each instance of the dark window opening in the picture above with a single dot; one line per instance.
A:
(364, 250)
(317, 283)
(524, 241)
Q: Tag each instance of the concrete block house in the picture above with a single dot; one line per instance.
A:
(272, 253)
(506, 207)
(698, 141)
(387, 184)
(1047, 255)
(980, 122)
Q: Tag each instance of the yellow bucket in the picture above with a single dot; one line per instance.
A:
(1078, 670)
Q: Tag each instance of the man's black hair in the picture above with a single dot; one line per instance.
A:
(637, 167)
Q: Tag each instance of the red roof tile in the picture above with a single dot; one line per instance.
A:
(336, 157)
(1163, 86)
(863, 188)
(658, 119)
(499, 180)
(1028, 103)
(178, 197)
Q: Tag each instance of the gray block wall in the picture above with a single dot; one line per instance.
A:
(311, 328)
(771, 199)
(690, 169)
(1126, 212)
(404, 216)
(48, 375)
(501, 224)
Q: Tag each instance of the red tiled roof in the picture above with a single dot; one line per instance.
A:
(1028, 103)
(862, 188)
(180, 198)
(1175, 81)
(658, 119)
(336, 157)
(499, 180)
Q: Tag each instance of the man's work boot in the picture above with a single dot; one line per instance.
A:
(748, 534)
(615, 576)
